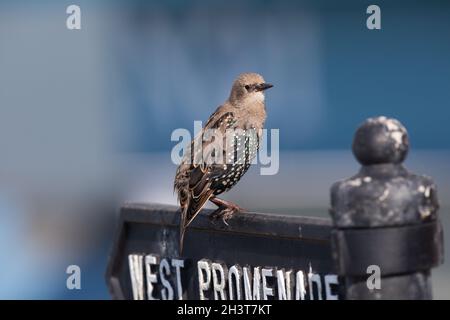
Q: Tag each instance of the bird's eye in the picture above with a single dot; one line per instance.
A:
(247, 87)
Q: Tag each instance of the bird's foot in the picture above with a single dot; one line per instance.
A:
(225, 211)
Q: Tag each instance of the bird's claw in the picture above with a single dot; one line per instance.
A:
(224, 213)
(225, 221)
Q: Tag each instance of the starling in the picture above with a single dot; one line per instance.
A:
(239, 121)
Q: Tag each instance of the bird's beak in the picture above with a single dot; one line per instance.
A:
(263, 86)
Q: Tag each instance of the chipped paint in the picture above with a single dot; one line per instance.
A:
(396, 132)
(367, 179)
(397, 136)
(394, 128)
(425, 212)
(355, 183)
(384, 195)
(380, 119)
(425, 190)
(392, 125)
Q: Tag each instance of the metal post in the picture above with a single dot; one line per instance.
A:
(386, 231)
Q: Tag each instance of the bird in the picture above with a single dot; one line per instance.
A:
(198, 178)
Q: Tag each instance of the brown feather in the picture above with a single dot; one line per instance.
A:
(197, 180)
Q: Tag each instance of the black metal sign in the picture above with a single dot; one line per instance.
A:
(257, 257)
(385, 222)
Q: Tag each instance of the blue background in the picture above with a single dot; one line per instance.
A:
(86, 115)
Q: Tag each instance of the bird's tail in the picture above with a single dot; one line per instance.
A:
(182, 231)
(189, 211)
(182, 228)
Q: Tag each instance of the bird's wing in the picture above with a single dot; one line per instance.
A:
(203, 170)
(199, 172)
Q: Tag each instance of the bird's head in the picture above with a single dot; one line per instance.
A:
(248, 88)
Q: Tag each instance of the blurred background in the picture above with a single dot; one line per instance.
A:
(86, 115)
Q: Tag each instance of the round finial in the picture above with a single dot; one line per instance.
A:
(380, 140)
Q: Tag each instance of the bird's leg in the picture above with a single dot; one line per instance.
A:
(226, 209)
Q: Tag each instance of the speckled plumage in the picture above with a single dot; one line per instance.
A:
(197, 178)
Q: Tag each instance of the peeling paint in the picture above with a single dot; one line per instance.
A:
(380, 119)
(392, 125)
(425, 190)
(367, 179)
(354, 183)
(395, 129)
(384, 195)
(425, 212)
(398, 138)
